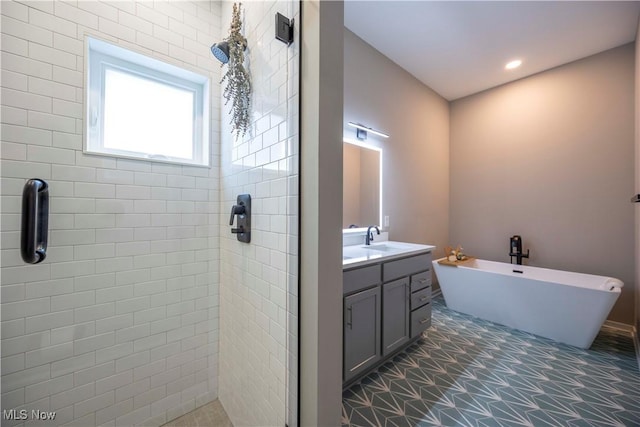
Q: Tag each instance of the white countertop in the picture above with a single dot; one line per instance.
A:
(359, 255)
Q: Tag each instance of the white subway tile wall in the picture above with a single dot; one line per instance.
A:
(258, 282)
(119, 325)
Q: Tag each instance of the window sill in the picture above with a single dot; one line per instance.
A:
(148, 158)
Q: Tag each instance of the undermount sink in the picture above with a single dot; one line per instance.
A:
(383, 247)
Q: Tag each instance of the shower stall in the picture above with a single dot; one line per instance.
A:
(146, 305)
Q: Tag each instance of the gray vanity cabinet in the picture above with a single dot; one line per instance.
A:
(396, 313)
(386, 307)
(361, 331)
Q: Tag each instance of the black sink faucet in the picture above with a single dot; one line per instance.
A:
(369, 238)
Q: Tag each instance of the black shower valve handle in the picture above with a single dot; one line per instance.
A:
(236, 210)
(242, 209)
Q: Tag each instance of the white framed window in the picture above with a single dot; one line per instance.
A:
(140, 107)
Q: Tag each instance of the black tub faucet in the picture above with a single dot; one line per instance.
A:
(515, 249)
(369, 238)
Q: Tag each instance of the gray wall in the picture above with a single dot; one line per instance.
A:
(416, 156)
(550, 157)
(321, 213)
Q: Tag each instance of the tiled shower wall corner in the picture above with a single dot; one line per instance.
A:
(119, 325)
(258, 282)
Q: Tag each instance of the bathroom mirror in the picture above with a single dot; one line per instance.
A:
(362, 185)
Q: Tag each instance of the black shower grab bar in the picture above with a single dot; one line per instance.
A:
(35, 221)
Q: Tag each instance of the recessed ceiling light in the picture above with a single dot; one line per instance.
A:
(513, 64)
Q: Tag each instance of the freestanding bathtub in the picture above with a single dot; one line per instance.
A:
(564, 306)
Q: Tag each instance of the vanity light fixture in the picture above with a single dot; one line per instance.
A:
(361, 131)
(512, 65)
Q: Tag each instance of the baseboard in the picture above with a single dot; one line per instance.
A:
(436, 293)
(622, 327)
(627, 329)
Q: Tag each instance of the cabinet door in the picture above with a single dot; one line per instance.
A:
(361, 331)
(395, 314)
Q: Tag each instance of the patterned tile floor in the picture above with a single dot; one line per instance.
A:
(470, 372)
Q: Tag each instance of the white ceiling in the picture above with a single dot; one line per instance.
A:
(460, 48)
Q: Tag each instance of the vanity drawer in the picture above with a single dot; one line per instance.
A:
(420, 320)
(405, 267)
(420, 298)
(420, 280)
(360, 278)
